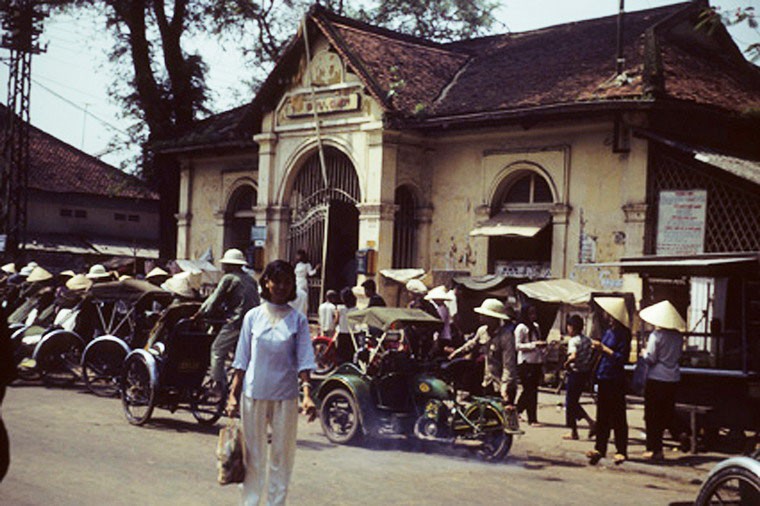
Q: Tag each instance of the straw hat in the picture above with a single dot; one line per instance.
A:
(493, 308)
(32, 264)
(97, 271)
(180, 285)
(156, 272)
(233, 256)
(39, 274)
(416, 286)
(615, 307)
(78, 282)
(663, 315)
(69, 273)
(9, 268)
(440, 293)
(25, 271)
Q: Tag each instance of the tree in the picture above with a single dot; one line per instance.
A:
(711, 17)
(162, 86)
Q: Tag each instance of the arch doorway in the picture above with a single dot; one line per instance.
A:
(324, 221)
(239, 219)
(521, 245)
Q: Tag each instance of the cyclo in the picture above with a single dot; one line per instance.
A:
(175, 378)
(386, 391)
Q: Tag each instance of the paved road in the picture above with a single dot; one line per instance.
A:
(70, 448)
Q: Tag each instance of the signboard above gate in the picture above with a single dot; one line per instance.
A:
(327, 102)
(681, 222)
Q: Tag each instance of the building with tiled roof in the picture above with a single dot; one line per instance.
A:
(530, 155)
(81, 209)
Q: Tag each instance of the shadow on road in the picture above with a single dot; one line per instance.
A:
(181, 426)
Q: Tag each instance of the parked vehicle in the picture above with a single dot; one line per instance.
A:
(176, 378)
(390, 392)
(125, 314)
(732, 481)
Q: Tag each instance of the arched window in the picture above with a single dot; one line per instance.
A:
(405, 229)
(239, 218)
(527, 187)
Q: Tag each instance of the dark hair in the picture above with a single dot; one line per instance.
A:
(370, 285)
(525, 314)
(348, 297)
(275, 270)
(302, 253)
(576, 322)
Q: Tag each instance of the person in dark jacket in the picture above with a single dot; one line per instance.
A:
(370, 290)
(7, 375)
(615, 347)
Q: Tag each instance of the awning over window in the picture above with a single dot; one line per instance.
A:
(709, 264)
(116, 247)
(514, 223)
(563, 291)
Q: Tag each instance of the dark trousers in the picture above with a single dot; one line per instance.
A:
(344, 347)
(610, 415)
(659, 404)
(573, 409)
(530, 378)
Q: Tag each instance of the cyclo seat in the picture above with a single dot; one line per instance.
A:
(187, 354)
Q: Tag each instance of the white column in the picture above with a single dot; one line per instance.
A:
(184, 215)
(560, 213)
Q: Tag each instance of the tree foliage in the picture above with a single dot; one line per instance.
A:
(711, 17)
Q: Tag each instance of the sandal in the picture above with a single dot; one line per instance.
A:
(593, 457)
(570, 437)
(619, 458)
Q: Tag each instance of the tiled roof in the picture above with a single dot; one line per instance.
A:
(220, 129)
(61, 168)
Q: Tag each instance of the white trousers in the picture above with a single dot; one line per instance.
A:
(258, 415)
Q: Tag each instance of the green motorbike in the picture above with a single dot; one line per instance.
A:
(389, 393)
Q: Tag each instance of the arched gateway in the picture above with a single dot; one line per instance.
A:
(324, 221)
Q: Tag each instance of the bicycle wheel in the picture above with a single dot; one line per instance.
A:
(101, 366)
(207, 402)
(58, 359)
(489, 430)
(732, 485)
(138, 393)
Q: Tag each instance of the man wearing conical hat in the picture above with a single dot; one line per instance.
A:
(614, 347)
(663, 355)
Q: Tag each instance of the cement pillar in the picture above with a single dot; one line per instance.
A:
(479, 244)
(424, 218)
(268, 211)
(184, 216)
(635, 228)
(560, 213)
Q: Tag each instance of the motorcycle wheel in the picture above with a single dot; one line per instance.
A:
(489, 424)
(339, 417)
(732, 485)
(324, 359)
(101, 368)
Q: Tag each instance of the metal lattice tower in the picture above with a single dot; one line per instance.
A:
(22, 25)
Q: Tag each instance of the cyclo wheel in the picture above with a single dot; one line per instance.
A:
(732, 485)
(324, 358)
(58, 360)
(206, 404)
(138, 394)
(339, 416)
(489, 429)
(101, 367)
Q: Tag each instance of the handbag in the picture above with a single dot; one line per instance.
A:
(640, 373)
(230, 454)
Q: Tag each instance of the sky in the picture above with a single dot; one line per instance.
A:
(70, 80)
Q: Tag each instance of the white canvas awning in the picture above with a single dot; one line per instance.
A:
(563, 291)
(513, 223)
(115, 247)
(402, 275)
(210, 274)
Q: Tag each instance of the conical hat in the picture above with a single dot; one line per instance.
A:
(68, 273)
(440, 293)
(156, 272)
(79, 282)
(39, 274)
(180, 285)
(125, 277)
(416, 286)
(663, 315)
(615, 307)
(9, 268)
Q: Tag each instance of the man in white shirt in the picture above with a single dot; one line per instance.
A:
(326, 313)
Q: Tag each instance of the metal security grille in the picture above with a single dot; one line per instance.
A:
(404, 229)
(310, 203)
(733, 205)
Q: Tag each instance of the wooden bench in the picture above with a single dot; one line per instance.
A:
(693, 410)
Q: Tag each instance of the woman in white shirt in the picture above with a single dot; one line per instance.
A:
(530, 362)
(303, 269)
(273, 354)
(344, 344)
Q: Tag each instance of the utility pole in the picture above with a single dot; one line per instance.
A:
(22, 26)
